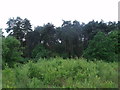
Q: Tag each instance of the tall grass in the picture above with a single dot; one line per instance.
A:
(57, 72)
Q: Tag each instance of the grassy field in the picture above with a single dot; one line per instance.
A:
(62, 73)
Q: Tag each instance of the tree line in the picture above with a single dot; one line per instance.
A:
(71, 40)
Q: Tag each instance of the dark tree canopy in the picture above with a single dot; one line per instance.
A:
(72, 39)
(18, 28)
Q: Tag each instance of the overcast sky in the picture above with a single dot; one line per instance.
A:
(40, 12)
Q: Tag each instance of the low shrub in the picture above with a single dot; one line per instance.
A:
(62, 73)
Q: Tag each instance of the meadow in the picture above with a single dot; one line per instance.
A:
(61, 73)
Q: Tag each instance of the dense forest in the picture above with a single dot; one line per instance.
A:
(72, 55)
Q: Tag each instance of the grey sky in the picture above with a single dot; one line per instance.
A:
(40, 12)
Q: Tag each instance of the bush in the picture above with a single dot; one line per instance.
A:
(64, 73)
(11, 50)
(41, 52)
(101, 47)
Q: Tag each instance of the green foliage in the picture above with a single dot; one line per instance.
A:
(58, 72)
(8, 78)
(11, 50)
(103, 47)
(69, 40)
(40, 51)
(0, 79)
(114, 36)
